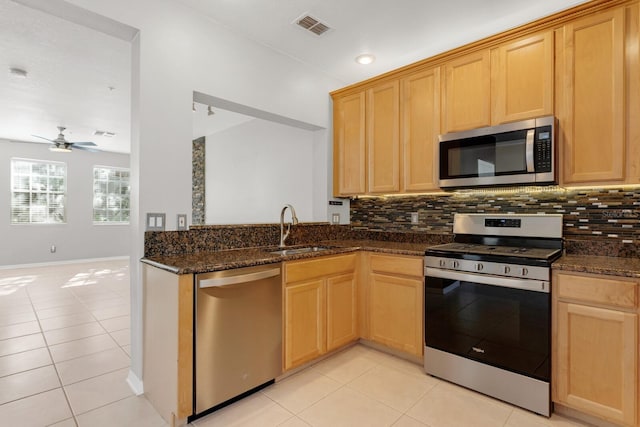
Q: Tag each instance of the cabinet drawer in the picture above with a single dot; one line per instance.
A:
(397, 264)
(597, 289)
(295, 271)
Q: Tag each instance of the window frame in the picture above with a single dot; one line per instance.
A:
(94, 180)
(30, 192)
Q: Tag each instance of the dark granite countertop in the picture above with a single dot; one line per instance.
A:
(613, 266)
(203, 262)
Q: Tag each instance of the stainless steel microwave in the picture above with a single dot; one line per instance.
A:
(515, 153)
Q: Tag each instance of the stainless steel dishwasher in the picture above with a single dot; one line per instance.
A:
(238, 334)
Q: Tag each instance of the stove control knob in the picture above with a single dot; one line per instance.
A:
(507, 269)
(442, 263)
(525, 271)
(479, 267)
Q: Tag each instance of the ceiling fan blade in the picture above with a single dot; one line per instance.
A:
(84, 143)
(38, 136)
(84, 148)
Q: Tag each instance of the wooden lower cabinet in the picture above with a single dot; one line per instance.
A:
(304, 327)
(395, 295)
(320, 307)
(595, 346)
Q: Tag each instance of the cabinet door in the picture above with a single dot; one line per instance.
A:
(593, 116)
(597, 361)
(522, 79)
(467, 92)
(304, 322)
(420, 128)
(383, 138)
(342, 317)
(396, 312)
(349, 145)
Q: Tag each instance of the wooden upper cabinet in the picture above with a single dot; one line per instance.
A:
(467, 92)
(420, 113)
(349, 145)
(383, 138)
(522, 79)
(592, 97)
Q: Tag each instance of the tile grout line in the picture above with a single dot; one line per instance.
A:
(55, 367)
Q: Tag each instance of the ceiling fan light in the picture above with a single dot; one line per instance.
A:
(58, 149)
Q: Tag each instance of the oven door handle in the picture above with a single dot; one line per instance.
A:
(489, 279)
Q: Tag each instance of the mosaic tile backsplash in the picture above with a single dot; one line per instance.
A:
(610, 216)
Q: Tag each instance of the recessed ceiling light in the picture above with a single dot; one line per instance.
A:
(365, 59)
(18, 72)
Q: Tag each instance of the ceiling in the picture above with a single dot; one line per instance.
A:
(69, 83)
(397, 32)
(82, 86)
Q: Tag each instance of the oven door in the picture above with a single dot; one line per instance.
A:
(498, 321)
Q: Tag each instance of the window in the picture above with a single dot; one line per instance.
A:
(110, 195)
(38, 192)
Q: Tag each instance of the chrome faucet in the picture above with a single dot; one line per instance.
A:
(294, 221)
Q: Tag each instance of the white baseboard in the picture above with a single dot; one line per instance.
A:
(135, 383)
(70, 261)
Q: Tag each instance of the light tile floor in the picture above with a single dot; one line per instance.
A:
(64, 358)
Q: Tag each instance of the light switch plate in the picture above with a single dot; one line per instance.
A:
(155, 222)
(335, 218)
(181, 222)
(414, 218)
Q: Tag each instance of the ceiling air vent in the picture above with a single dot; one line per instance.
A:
(312, 24)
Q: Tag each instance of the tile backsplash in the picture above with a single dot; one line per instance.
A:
(608, 215)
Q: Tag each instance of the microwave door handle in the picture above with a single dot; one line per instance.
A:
(529, 151)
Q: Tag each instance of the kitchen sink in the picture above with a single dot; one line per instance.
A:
(303, 250)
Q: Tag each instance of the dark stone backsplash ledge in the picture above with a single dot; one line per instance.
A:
(225, 237)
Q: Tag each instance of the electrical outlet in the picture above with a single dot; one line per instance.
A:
(335, 218)
(414, 218)
(181, 222)
(155, 222)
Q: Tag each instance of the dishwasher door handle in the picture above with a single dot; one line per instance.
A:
(217, 282)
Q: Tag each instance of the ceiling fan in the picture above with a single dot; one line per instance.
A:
(60, 144)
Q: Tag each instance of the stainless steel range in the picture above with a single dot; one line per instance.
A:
(488, 306)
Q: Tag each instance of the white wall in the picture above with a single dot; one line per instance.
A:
(79, 238)
(254, 169)
(179, 51)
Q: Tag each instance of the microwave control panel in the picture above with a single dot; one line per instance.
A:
(543, 149)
